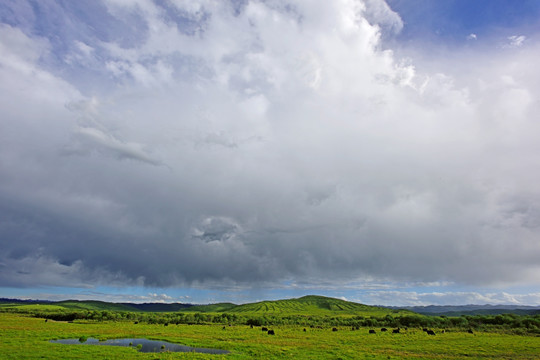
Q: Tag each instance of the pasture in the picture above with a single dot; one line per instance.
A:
(26, 337)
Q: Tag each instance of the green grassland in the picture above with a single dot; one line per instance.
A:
(303, 330)
(25, 337)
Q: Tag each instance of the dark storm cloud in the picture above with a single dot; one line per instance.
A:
(257, 148)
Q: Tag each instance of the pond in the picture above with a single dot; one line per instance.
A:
(143, 345)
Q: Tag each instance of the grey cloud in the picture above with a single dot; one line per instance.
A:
(216, 229)
(219, 139)
(91, 135)
(291, 159)
(107, 143)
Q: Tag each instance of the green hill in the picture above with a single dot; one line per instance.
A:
(93, 305)
(216, 308)
(310, 305)
(314, 305)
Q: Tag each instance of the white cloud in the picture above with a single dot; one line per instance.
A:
(516, 40)
(296, 148)
(379, 13)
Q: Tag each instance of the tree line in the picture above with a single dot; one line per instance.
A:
(517, 323)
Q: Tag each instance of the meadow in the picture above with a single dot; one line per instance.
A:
(25, 334)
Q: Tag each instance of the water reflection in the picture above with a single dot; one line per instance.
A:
(143, 345)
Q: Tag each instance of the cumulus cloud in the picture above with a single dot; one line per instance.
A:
(284, 142)
(379, 13)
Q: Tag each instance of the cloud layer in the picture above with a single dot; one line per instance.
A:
(219, 144)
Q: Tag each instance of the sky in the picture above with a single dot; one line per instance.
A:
(204, 151)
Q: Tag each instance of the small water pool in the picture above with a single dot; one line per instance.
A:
(143, 345)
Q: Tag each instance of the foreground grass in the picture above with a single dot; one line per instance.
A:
(24, 337)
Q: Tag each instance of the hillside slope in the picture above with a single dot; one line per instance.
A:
(311, 305)
(314, 305)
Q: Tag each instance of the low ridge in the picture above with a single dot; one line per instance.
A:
(306, 305)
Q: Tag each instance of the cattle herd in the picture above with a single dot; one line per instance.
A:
(371, 331)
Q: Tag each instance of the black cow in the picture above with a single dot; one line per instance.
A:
(395, 331)
(334, 329)
(470, 331)
(372, 331)
(271, 332)
(304, 329)
(264, 329)
(384, 329)
(430, 332)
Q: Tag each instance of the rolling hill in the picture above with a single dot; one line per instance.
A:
(313, 305)
(306, 305)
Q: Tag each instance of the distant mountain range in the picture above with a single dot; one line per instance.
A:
(311, 304)
(458, 310)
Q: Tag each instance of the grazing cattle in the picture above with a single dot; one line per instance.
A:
(424, 329)
(223, 328)
(395, 331)
(384, 329)
(334, 329)
(264, 329)
(371, 331)
(271, 332)
(166, 324)
(470, 331)
(430, 332)
(304, 329)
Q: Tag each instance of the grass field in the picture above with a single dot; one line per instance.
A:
(24, 337)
